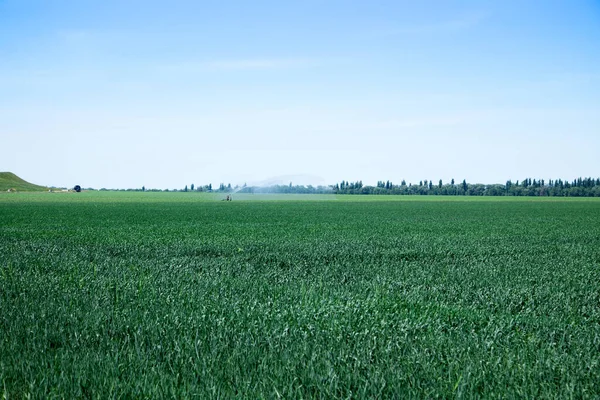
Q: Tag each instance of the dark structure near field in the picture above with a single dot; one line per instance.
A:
(77, 188)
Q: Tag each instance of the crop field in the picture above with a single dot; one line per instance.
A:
(169, 295)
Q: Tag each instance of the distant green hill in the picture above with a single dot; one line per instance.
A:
(9, 181)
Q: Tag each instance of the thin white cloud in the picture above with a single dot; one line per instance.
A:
(260, 64)
(457, 24)
(76, 36)
(249, 64)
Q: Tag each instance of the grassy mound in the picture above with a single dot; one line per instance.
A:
(10, 181)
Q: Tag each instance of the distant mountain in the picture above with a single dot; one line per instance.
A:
(9, 181)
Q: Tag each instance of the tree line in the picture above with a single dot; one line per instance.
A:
(580, 187)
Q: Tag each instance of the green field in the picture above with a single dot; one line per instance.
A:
(138, 295)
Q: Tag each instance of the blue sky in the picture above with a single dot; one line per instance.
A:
(121, 94)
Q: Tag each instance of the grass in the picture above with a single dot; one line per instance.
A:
(178, 294)
(10, 181)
